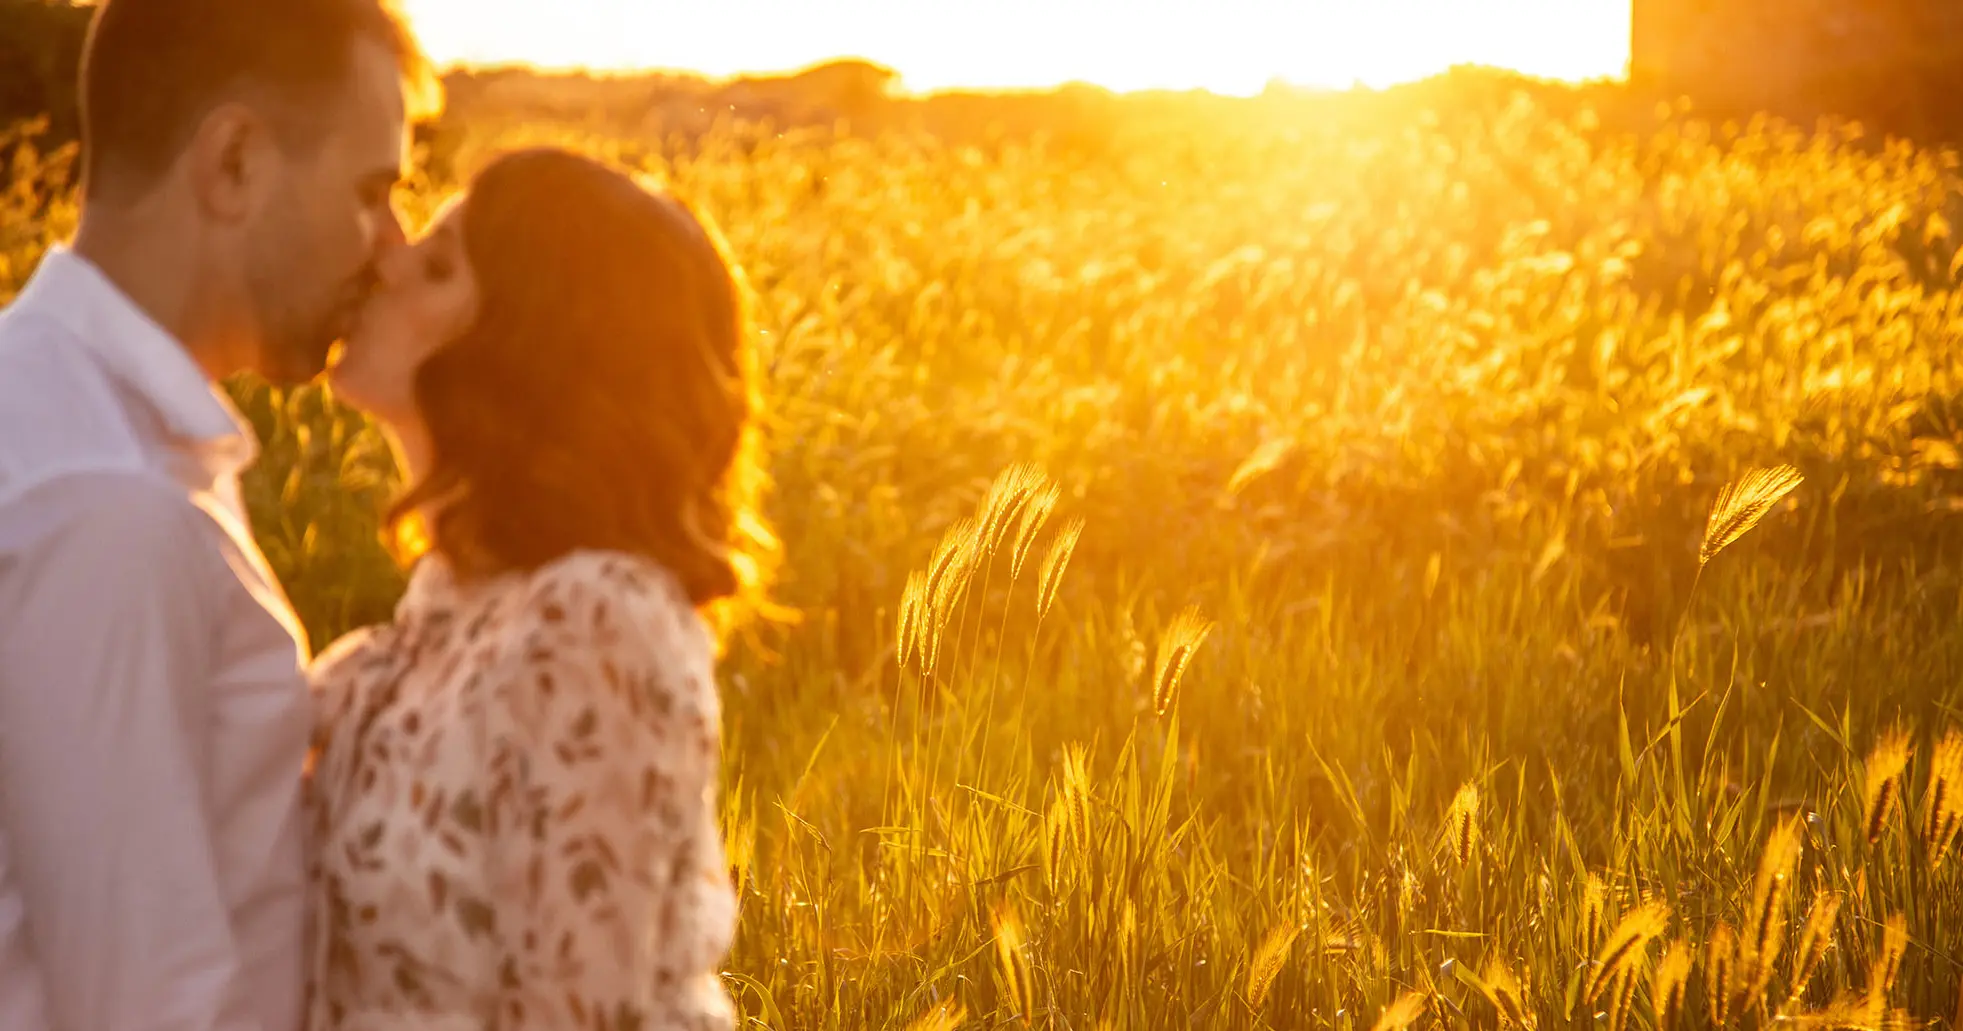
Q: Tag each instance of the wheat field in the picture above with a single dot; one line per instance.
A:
(1465, 556)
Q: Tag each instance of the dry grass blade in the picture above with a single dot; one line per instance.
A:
(1624, 949)
(1462, 823)
(1741, 505)
(1035, 514)
(1181, 639)
(1267, 962)
(946, 1016)
(1402, 1013)
(1054, 563)
(1815, 939)
(1670, 985)
(1885, 767)
(1942, 803)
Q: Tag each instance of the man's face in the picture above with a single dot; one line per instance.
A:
(310, 254)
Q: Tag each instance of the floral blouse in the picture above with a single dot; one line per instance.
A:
(513, 805)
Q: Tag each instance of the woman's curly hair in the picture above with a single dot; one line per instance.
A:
(605, 395)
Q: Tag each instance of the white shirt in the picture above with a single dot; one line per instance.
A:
(154, 718)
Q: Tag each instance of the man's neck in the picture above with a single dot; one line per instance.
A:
(159, 279)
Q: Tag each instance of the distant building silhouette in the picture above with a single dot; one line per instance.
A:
(1893, 63)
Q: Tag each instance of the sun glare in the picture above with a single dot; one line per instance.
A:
(1228, 46)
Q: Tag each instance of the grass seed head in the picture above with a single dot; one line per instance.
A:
(1942, 802)
(1720, 968)
(1742, 505)
(1267, 961)
(1462, 823)
(1054, 563)
(1594, 912)
(1885, 766)
(1815, 939)
(1623, 951)
(1670, 985)
(1012, 963)
(1035, 513)
(1402, 1013)
(1888, 962)
(1182, 637)
(945, 1016)
(1769, 891)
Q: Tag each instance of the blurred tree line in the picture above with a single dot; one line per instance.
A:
(40, 53)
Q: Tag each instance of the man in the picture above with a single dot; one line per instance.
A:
(239, 159)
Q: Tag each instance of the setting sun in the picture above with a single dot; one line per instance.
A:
(1229, 46)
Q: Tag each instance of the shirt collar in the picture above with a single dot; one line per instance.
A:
(142, 356)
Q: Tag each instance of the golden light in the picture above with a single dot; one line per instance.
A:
(1229, 46)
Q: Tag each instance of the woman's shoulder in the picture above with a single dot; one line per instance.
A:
(607, 622)
(611, 601)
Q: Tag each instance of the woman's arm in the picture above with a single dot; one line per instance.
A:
(612, 906)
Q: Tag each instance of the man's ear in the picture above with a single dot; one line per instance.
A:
(231, 157)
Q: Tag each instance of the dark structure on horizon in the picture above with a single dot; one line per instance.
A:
(1894, 64)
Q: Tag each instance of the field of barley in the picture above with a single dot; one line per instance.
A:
(1278, 571)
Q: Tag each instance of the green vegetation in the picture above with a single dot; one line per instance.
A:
(1261, 570)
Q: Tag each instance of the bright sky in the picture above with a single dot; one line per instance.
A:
(1230, 46)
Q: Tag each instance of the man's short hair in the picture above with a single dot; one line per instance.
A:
(153, 69)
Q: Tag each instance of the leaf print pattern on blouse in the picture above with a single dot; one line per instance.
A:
(515, 809)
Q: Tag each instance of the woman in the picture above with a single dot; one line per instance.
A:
(515, 779)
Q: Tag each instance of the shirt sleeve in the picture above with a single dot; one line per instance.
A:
(106, 637)
(613, 906)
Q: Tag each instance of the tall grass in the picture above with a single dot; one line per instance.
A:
(1248, 568)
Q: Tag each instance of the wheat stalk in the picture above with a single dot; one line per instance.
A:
(1742, 504)
(1182, 637)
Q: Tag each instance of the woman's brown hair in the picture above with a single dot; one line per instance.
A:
(605, 395)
